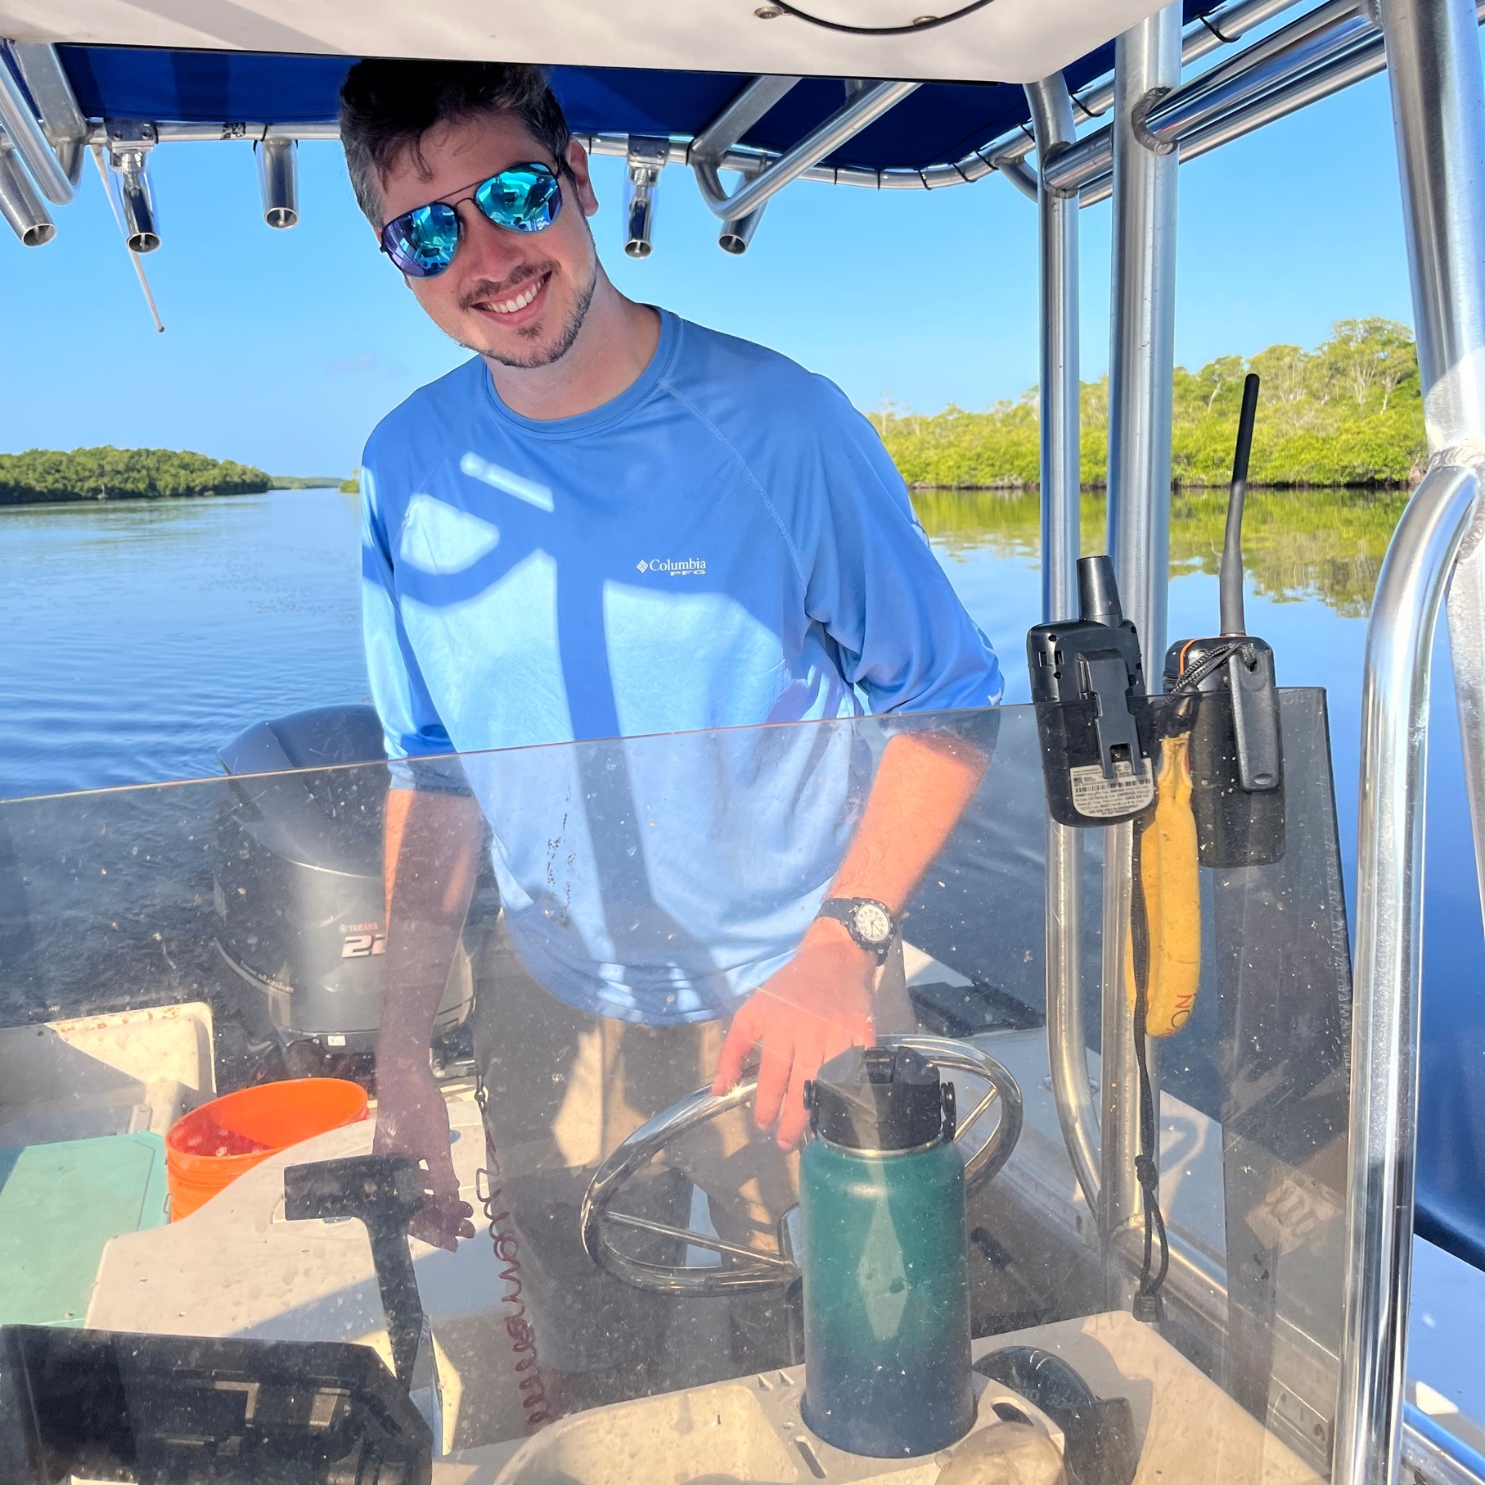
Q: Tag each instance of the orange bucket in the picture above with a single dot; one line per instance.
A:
(207, 1149)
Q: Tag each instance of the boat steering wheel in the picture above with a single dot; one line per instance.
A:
(743, 1269)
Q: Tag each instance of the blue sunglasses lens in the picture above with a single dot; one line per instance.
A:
(422, 242)
(526, 198)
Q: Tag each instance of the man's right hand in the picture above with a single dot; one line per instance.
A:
(412, 1119)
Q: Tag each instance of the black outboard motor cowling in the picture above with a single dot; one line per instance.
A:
(298, 885)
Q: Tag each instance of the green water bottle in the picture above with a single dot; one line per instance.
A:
(885, 1258)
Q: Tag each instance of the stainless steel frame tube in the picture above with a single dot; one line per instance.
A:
(1389, 902)
(1141, 369)
(1142, 332)
(1439, 116)
(1061, 491)
(1120, 1204)
(1011, 163)
(1335, 72)
(1061, 474)
(22, 208)
(844, 124)
(739, 116)
(1299, 44)
(1221, 28)
(61, 119)
(1438, 106)
(30, 143)
(1304, 42)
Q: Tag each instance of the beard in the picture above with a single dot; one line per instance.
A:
(541, 355)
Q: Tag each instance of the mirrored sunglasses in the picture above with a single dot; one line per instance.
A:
(422, 242)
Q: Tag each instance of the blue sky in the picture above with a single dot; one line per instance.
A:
(282, 349)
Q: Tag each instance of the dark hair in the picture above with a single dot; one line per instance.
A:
(386, 107)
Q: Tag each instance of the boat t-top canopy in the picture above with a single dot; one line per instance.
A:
(769, 92)
(1004, 41)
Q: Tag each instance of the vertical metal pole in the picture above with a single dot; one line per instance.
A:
(1147, 64)
(1389, 955)
(1120, 1203)
(1142, 352)
(1438, 107)
(1441, 149)
(1061, 489)
(1061, 473)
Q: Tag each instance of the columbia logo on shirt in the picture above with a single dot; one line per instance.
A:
(686, 567)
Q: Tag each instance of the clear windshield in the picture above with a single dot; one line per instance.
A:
(259, 1029)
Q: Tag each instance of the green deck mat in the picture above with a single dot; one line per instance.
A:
(59, 1205)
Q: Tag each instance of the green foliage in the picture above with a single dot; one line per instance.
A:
(121, 474)
(351, 486)
(1347, 413)
(304, 481)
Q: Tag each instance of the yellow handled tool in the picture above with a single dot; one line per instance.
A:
(1167, 879)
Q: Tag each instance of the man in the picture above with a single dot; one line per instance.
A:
(610, 523)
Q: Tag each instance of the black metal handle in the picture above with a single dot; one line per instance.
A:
(385, 1192)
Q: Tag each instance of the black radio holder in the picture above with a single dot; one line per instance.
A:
(1237, 760)
(1232, 705)
(1092, 716)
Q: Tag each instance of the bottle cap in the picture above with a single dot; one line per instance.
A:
(880, 1098)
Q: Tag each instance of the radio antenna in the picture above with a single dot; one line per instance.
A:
(1230, 584)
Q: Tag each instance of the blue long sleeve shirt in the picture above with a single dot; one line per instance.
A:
(724, 544)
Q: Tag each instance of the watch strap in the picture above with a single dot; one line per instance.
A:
(843, 911)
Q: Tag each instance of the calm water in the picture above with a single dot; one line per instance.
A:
(140, 637)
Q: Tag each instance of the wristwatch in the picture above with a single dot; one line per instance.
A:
(869, 922)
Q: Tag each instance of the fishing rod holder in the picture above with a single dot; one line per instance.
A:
(278, 180)
(743, 1270)
(23, 210)
(646, 159)
(129, 144)
(736, 237)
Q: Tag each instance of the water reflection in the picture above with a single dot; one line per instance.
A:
(1324, 544)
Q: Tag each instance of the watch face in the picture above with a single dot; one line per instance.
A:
(872, 922)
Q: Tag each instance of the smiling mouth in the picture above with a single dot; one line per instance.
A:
(514, 301)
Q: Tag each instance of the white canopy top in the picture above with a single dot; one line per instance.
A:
(1006, 41)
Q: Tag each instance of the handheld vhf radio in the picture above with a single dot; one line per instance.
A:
(1088, 684)
(1237, 762)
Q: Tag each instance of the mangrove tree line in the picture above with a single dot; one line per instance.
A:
(121, 474)
(1348, 412)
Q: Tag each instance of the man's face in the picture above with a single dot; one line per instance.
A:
(517, 297)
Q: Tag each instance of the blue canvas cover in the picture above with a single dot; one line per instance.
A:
(939, 123)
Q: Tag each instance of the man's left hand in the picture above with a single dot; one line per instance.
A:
(818, 1004)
